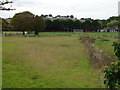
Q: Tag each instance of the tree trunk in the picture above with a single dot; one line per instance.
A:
(36, 33)
(23, 33)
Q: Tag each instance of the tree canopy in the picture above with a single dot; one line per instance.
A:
(26, 21)
(22, 21)
(113, 24)
(39, 24)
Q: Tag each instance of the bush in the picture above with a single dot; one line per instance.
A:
(112, 74)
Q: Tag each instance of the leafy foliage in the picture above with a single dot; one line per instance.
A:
(112, 74)
(22, 21)
(5, 25)
(68, 25)
(38, 25)
(26, 21)
(112, 24)
(117, 49)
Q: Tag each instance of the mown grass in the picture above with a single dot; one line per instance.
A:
(47, 62)
(111, 34)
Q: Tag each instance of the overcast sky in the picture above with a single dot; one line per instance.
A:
(96, 9)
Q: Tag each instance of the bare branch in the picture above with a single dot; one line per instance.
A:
(5, 2)
(2, 3)
(3, 8)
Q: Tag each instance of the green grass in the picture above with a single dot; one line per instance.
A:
(47, 62)
(0, 62)
(105, 44)
(111, 34)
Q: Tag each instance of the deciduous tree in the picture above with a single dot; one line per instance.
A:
(39, 24)
(22, 21)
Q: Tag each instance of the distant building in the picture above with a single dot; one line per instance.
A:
(108, 30)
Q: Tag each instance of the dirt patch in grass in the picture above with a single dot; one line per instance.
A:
(97, 57)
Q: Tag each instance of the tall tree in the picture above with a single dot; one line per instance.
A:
(46, 16)
(112, 18)
(48, 23)
(68, 16)
(113, 24)
(96, 25)
(71, 16)
(22, 21)
(56, 25)
(87, 25)
(77, 24)
(50, 15)
(103, 23)
(39, 24)
(70, 24)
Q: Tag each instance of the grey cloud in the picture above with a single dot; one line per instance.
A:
(97, 9)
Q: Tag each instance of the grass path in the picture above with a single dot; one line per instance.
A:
(47, 62)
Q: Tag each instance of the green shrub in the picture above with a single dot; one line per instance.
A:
(112, 73)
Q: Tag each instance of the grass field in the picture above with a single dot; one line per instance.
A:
(48, 62)
(111, 34)
(105, 44)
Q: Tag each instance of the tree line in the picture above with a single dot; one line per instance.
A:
(67, 25)
(27, 21)
(58, 16)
